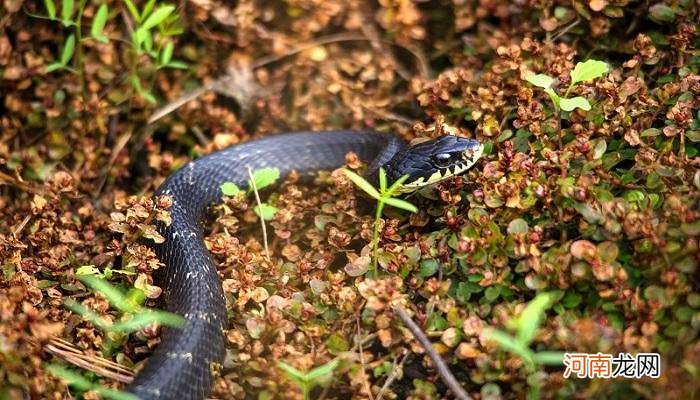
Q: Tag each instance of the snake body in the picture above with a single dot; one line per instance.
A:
(183, 365)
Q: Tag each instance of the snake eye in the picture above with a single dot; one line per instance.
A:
(442, 159)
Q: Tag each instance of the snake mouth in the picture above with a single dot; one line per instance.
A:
(446, 157)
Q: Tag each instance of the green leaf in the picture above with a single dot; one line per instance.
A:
(113, 295)
(268, 212)
(148, 8)
(177, 64)
(599, 148)
(144, 318)
(517, 226)
(89, 315)
(141, 35)
(508, 343)
(651, 132)
(54, 66)
(402, 204)
(265, 177)
(429, 267)
(148, 96)
(133, 10)
(292, 372)
(661, 13)
(230, 189)
(68, 48)
(98, 23)
(323, 372)
(50, 8)
(87, 270)
(82, 384)
(167, 53)
(148, 42)
(588, 70)
(67, 11)
(382, 180)
(573, 103)
(362, 184)
(549, 358)
(395, 186)
(529, 320)
(158, 16)
(554, 96)
(540, 80)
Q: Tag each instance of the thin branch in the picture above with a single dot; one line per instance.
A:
(395, 367)
(365, 380)
(262, 220)
(440, 365)
(96, 364)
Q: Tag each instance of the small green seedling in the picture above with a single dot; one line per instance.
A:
(147, 20)
(308, 380)
(135, 317)
(383, 196)
(79, 382)
(584, 71)
(525, 327)
(262, 178)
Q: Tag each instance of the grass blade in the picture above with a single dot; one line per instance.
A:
(50, 8)
(529, 320)
(402, 204)
(68, 49)
(98, 23)
(362, 184)
(158, 16)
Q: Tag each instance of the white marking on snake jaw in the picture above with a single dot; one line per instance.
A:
(192, 274)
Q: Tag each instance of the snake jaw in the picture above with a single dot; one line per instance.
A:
(433, 161)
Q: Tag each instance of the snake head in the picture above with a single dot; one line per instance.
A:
(433, 161)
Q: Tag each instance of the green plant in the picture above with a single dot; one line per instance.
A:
(143, 41)
(582, 72)
(262, 178)
(159, 49)
(81, 383)
(308, 380)
(525, 328)
(134, 315)
(383, 196)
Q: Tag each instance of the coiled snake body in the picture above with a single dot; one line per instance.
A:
(183, 364)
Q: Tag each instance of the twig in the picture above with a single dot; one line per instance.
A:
(392, 375)
(9, 180)
(262, 220)
(368, 389)
(566, 29)
(96, 364)
(443, 370)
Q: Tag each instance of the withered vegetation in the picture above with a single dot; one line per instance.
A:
(601, 208)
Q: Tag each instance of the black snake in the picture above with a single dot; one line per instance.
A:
(182, 366)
